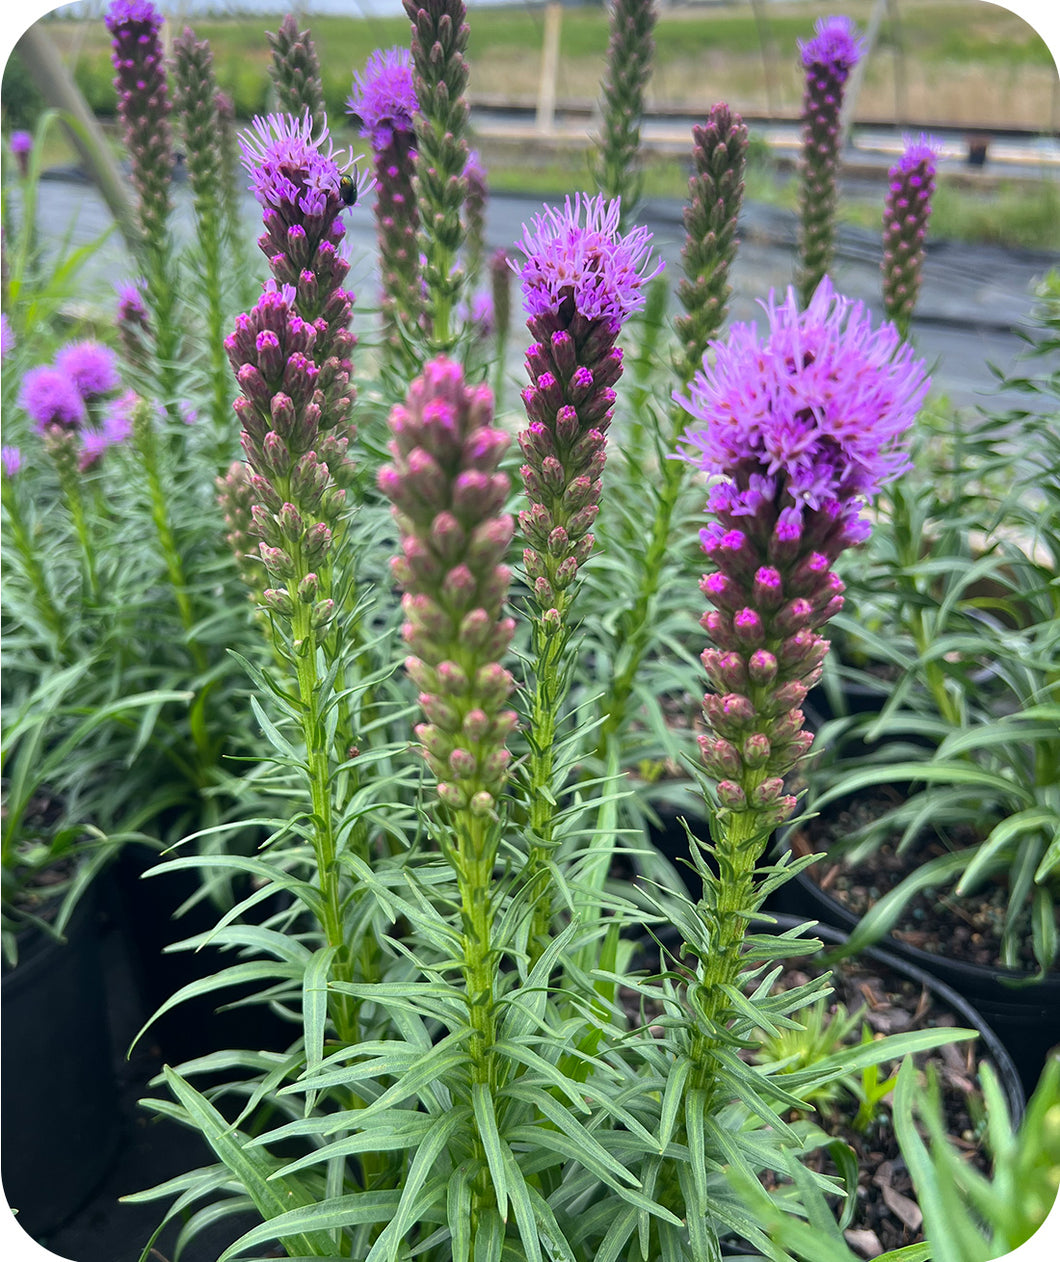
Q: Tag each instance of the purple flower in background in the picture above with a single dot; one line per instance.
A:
(21, 147)
(384, 97)
(51, 397)
(905, 218)
(131, 302)
(835, 45)
(7, 338)
(11, 459)
(92, 366)
(587, 267)
(115, 430)
(815, 411)
(124, 14)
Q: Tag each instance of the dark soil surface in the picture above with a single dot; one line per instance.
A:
(964, 928)
(886, 1215)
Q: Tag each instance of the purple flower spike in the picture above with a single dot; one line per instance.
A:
(804, 425)
(448, 495)
(836, 46)
(828, 59)
(589, 266)
(905, 218)
(822, 404)
(290, 169)
(11, 460)
(580, 282)
(384, 97)
(51, 397)
(92, 366)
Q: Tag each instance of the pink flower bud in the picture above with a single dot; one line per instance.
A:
(732, 796)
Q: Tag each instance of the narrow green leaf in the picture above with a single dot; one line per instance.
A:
(486, 1121)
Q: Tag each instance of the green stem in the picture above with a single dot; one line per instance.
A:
(635, 634)
(740, 845)
(46, 609)
(148, 450)
(549, 691)
(71, 486)
(324, 844)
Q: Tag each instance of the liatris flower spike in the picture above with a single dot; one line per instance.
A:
(475, 218)
(581, 280)
(828, 59)
(448, 499)
(144, 107)
(629, 57)
(295, 72)
(905, 217)
(50, 397)
(11, 460)
(439, 42)
(22, 147)
(295, 175)
(384, 100)
(719, 153)
(803, 427)
(91, 366)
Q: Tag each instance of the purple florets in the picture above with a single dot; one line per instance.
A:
(131, 301)
(923, 152)
(820, 405)
(289, 166)
(21, 142)
(123, 15)
(92, 366)
(384, 97)
(11, 459)
(7, 338)
(51, 397)
(835, 45)
(589, 265)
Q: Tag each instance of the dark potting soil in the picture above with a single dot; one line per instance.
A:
(967, 927)
(886, 1214)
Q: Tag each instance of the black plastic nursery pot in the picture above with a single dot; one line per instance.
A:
(1025, 1016)
(58, 1105)
(148, 913)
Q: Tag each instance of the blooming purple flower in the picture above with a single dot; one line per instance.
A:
(7, 338)
(50, 396)
(817, 408)
(905, 217)
(123, 14)
(384, 97)
(21, 142)
(290, 168)
(918, 153)
(835, 44)
(590, 265)
(11, 460)
(131, 302)
(92, 366)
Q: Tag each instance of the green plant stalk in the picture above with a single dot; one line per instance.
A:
(46, 608)
(740, 845)
(907, 542)
(472, 858)
(343, 1011)
(69, 481)
(635, 632)
(550, 688)
(147, 447)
